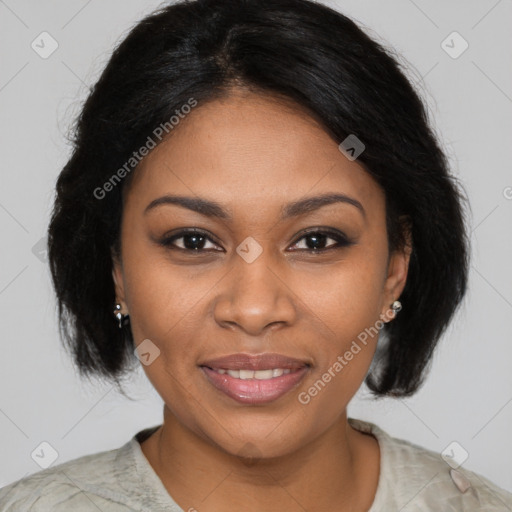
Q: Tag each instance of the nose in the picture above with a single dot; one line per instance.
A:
(255, 297)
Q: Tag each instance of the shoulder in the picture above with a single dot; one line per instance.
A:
(414, 479)
(84, 483)
(428, 480)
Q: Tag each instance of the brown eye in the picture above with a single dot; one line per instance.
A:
(192, 241)
(317, 241)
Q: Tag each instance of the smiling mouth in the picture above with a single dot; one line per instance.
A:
(252, 390)
(271, 373)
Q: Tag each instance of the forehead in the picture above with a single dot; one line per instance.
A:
(248, 150)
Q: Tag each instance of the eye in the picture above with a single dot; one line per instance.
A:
(196, 241)
(193, 240)
(315, 241)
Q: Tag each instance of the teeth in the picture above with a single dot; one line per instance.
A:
(251, 374)
(246, 374)
(264, 374)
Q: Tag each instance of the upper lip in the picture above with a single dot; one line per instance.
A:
(254, 362)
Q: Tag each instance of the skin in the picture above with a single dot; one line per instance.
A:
(252, 155)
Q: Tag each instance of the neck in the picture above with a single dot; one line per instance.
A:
(337, 471)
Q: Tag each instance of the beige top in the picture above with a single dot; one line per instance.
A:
(412, 479)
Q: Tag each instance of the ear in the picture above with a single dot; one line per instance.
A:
(117, 276)
(398, 268)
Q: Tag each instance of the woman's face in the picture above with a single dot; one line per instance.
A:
(249, 283)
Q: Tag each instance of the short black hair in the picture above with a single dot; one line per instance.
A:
(295, 49)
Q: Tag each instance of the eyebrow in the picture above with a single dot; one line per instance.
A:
(210, 208)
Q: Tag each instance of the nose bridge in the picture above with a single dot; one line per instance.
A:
(254, 296)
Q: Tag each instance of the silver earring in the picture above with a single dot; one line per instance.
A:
(396, 307)
(120, 316)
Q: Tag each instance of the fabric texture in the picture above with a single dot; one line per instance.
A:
(412, 479)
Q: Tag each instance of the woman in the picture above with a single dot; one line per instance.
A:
(257, 210)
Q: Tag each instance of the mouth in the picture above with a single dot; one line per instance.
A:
(255, 379)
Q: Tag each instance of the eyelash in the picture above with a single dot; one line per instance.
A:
(340, 238)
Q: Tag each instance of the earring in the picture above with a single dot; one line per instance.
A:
(120, 316)
(396, 307)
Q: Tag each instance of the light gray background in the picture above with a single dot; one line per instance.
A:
(468, 395)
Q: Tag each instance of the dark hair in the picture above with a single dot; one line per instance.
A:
(293, 49)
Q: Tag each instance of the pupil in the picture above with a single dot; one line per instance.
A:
(319, 238)
(193, 244)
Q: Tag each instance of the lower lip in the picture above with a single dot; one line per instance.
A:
(254, 391)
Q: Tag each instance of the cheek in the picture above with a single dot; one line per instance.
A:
(168, 305)
(159, 296)
(163, 308)
(347, 297)
(348, 304)
(346, 349)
